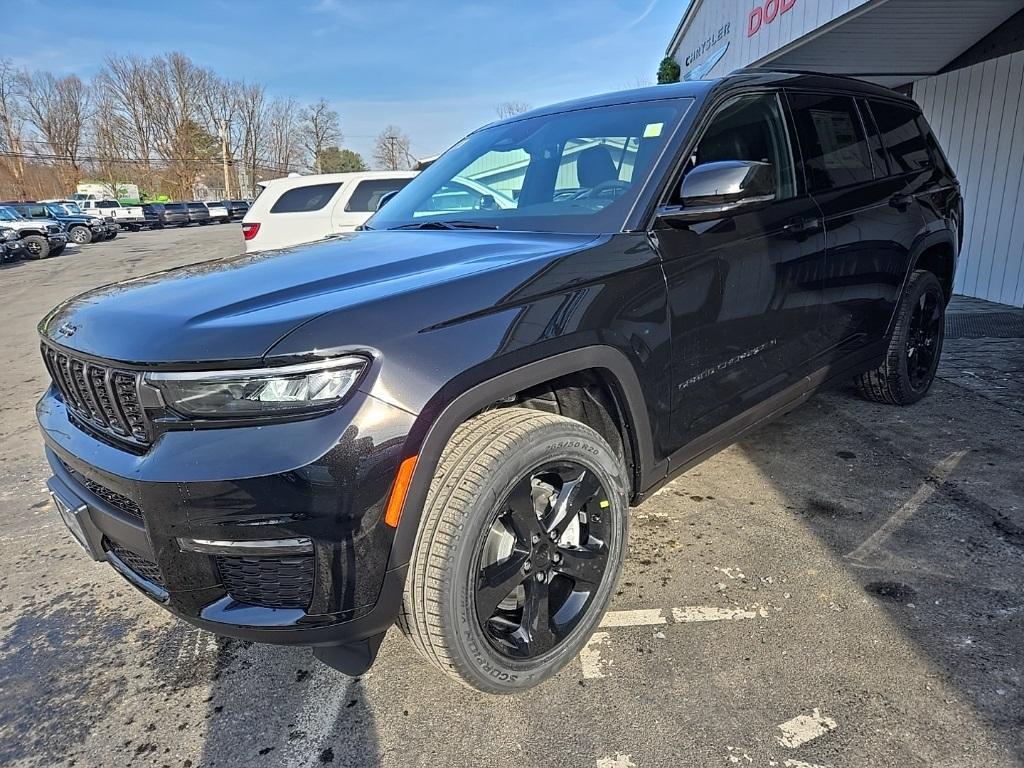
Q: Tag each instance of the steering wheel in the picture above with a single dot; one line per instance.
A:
(608, 188)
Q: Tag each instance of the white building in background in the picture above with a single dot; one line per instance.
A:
(962, 60)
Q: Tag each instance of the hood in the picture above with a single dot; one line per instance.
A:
(238, 308)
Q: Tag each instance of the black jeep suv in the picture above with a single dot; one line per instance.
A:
(443, 420)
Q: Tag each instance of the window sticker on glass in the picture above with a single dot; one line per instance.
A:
(653, 130)
(838, 138)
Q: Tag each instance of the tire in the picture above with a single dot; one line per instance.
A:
(492, 460)
(36, 247)
(914, 348)
(58, 250)
(112, 235)
(80, 235)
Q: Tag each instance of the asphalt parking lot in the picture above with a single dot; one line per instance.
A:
(842, 589)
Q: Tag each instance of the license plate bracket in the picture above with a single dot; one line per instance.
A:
(75, 514)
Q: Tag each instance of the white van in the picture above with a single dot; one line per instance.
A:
(302, 209)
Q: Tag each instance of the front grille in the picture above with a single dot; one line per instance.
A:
(147, 569)
(103, 397)
(271, 582)
(113, 498)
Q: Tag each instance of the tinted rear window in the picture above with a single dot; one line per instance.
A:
(196, 206)
(908, 150)
(305, 199)
(832, 139)
(175, 207)
(368, 193)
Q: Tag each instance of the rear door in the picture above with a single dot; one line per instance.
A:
(361, 200)
(871, 218)
(743, 289)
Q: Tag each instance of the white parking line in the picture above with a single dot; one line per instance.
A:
(698, 613)
(619, 761)
(590, 657)
(802, 764)
(804, 728)
(642, 617)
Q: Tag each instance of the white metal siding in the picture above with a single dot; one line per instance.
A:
(805, 17)
(978, 115)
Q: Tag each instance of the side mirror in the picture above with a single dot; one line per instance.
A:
(715, 190)
(385, 198)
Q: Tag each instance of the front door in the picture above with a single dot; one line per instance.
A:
(743, 289)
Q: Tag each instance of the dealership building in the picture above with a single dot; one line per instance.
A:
(961, 60)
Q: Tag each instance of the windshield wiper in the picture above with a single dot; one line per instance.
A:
(446, 225)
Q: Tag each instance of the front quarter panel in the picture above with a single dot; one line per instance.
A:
(539, 315)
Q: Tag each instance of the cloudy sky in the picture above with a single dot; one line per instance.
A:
(435, 69)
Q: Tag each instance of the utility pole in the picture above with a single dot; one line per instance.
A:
(226, 159)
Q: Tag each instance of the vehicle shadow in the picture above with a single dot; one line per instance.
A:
(923, 507)
(275, 706)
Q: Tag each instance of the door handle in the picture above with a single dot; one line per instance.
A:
(901, 202)
(803, 225)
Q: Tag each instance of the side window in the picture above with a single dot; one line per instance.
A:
(901, 135)
(832, 138)
(748, 128)
(368, 193)
(305, 199)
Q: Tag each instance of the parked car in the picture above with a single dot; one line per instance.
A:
(80, 229)
(301, 209)
(71, 208)
(218, 213)
(198, 213)
(153, 214)
(129, 217)
(175, 215)
(236, 208)
(11, 247)
(443, 420)
(40, 237)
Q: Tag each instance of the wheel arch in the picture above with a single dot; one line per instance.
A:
(936, 253)
(440, 418)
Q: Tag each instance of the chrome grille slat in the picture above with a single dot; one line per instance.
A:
(103, 397)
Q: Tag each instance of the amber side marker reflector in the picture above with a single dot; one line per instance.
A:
(394, 511)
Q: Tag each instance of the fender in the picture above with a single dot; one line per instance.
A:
(438, 431)
(926, 241)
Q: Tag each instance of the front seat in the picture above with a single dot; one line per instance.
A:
(595, 165)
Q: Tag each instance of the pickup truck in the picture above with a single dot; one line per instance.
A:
(126, 216)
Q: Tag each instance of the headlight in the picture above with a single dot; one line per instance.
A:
(8, 234)
(259, 392)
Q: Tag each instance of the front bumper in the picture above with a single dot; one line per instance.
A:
(325, 480)
(57, 241)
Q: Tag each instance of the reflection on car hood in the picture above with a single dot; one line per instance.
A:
(237, 308)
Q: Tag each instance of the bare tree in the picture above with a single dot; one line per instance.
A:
(391, 150)
(12, 125)
(512, 108)
(58, 109)
(253, 130)
(320, 127)
(125, 86)
(283, 146)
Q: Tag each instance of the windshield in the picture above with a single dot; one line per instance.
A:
(8, 214)
(72, 208)
(578, 171)
(56, 210)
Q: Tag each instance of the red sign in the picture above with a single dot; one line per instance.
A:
(765, 13)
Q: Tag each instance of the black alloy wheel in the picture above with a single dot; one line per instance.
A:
(522, 538)
(923, 338)
(914, 347)
(543, 560)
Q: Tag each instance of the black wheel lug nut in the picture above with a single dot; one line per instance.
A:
(536, 538)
